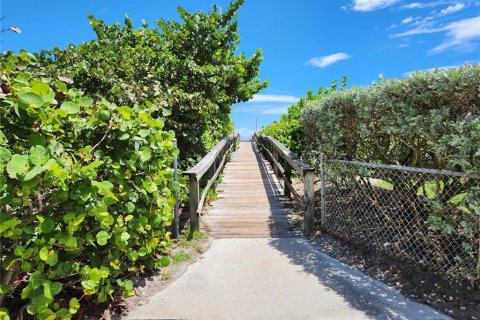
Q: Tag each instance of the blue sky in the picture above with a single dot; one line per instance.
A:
(306, 44)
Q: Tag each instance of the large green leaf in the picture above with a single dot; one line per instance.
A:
(34, 172)
(125, 236)
(70, 242)
(43, 253)
(41, 88)
(47, 290)
(38, 155)
(46, 226)
(145, 154)
(164, 261)
(3, 138)
(52, 258)
(8, 224)
(102, 237)
(29, 99)
(74, 305)
(106, 188)
(70, 107)
(56, 287)
(5, 155)
(17, 166)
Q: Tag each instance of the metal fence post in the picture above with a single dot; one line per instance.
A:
(478, 264)
(323, 213)
(176, 227)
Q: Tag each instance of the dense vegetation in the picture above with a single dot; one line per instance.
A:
(86, 196)
(288, 129)
(86, 149)
(429, 120)
(190, 71)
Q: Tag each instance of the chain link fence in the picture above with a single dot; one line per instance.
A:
(430, 217)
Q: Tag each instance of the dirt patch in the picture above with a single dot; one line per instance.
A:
(458, 300)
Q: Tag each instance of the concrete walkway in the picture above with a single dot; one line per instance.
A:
(276, 278)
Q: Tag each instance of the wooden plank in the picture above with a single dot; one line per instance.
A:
(248, 203)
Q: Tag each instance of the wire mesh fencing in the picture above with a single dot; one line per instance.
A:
(430, 217)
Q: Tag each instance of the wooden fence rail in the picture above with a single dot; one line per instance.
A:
(283, 161)
(215, 161)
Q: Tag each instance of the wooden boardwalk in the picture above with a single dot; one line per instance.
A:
(249, 203)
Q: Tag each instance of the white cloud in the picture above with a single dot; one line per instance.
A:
(452, 9)
(322, 62)
(415, 5)
(370, 5)
(432, 4)
(274, 98)
(422, 5)
(422, 29)
(275, 110)
(262, 109)
(407, 20)
(461, 34)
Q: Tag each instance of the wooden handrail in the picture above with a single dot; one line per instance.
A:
(293, 160)
(210, 161)
(274, 150)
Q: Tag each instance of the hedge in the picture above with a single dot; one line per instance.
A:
(86, 193)
(430, 120)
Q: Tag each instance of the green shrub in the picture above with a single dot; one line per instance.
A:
(430, 120)
(288, 129)
(189, 70)
(86, 192)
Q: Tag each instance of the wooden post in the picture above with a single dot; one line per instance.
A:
(323, 212)
(308, 221)
(274, 163)
(194, 192)
(288, 177)
(214, 169)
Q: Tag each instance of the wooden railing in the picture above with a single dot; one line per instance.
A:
(283, 161)
(215, 161)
